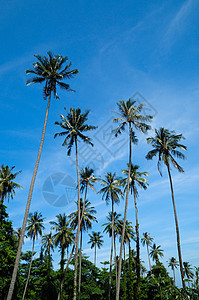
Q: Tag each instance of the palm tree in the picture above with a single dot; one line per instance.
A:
(34, 229)
(87, 179)
(48, 243)
(63, 236)
(87, 212)
(74, 127)
(111, 192)
(147, 240)
(17, 233)
(188, 270)
(51, 71)
(117, 228)
(166, 144)
(7, 185)
(136, 179)
(129, 115)
(95, 241)
(156, 252)
(173, 263)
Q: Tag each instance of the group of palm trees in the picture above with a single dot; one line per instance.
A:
(166, 145)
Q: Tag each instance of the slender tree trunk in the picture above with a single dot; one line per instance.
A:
(78, 228)
(137, 247)
(95, 255)
(80, 256)
(125, 215)
(177, 229)
(124, 274)
(115, 261)
(68, 262)
(148, 256)
(33, 245)
(80, 265)
(14, 274)
(62, 259)
(130, 289)
(174, 275)
(2, 198)
(111, 256)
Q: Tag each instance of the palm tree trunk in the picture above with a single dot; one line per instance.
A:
(95, 254)
(2, 198)
(62, 259)
(124, 274)
(137, 247)
(33, 245)
(14, 274)
(68, 262)
(111, 256)
(177, 229)
(148, 256)
(78, 228)
(80, 256)
(174, 275)
(115, 261)
(125, 215)
(130, 289)
(80, 265)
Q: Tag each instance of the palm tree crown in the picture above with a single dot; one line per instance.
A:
(74, 127)
(165, 144)
(47, 243)
(51, 69)
(111, 190)
(146, 240)
(7, 184)
(87, 178)
(35, 225)
(156, 252)
(95, 239)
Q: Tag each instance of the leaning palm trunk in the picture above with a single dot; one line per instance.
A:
(124, 274)
(80, 255)
(111, 257)
(125, 215)
(115, 261)
(177, 229)
(24, 293)
(78, 228)
(148, 256)
(14, 274)
(137, 248)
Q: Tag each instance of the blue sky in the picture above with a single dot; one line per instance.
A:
(120, 48)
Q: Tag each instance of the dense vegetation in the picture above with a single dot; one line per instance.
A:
(124, 276)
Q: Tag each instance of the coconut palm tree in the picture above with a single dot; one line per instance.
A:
(47, 243)
(165, 145)
(173, 263)
(34, 229)
(111, 192)
(7, 185)
(87, 214)
(74, 127)
(117, 228)
(63, 237)
(51, 70)
(136, 179)
(130, 114)
(87, 179)
(147, 240)
(188, 271)
(156, 252)
(95, 241)
(17, 233)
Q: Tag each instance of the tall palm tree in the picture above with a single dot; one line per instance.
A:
(63, 236)
(7, 185)
(131, 115)
(74, 126)
(136, 179)
(34, 229)
(17, 233)
(111, 192)
(147, 240)
(188, 270)
(165, 145)
(48, 243)
(173, 263)
(117, 228)
(51, 70)
(87, 214)
(95, 241)
(156, 252)
(87, 179)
